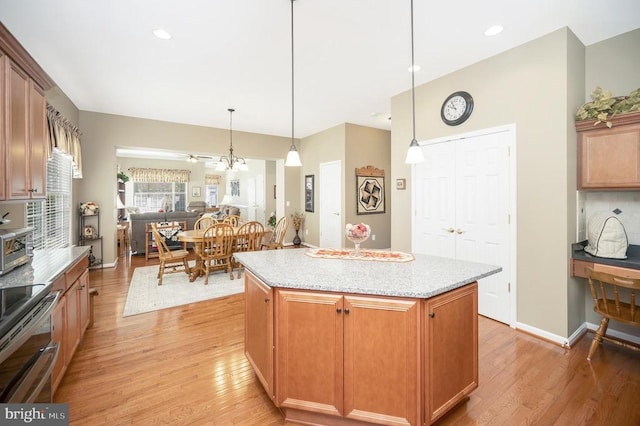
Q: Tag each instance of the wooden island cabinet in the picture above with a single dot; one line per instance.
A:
(326, 356)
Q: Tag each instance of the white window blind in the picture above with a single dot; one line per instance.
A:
(51, 218)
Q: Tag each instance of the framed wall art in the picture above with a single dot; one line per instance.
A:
(308, 193)
(195, 191)
(370, 190)
(235, 187)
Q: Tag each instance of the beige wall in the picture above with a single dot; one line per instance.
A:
(366, 146)
(103, 133)
(526, 86)
(354, 146)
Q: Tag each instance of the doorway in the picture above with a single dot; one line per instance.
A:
(330, 205)
(464, 198)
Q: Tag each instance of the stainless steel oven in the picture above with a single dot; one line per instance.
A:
(27, 354)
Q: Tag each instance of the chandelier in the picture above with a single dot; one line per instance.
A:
(231, 162)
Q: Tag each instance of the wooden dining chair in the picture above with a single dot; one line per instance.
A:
(216, 251)
(248, 238)
(204, 222)
(607, 290)
(277, 237)
(174, 260)
(233, 220)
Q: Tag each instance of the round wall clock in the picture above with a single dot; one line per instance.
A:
(456, 108)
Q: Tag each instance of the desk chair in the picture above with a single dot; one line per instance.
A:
(606, 292)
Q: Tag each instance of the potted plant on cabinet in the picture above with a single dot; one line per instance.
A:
(603, 106)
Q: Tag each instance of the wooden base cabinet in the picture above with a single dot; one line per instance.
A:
(346, 359)
(71, 316)
(451, 349)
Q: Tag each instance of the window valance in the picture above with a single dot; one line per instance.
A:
(212, 179)
(159, 175)
(65, 137)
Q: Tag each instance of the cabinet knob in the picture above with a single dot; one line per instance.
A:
(339, 310)
(346, 311)
(432, 314)
(266, 300)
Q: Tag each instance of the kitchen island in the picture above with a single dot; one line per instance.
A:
(342, 341)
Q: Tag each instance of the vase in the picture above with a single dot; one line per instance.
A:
(296, 240)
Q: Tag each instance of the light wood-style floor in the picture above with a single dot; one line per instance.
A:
(186, 366)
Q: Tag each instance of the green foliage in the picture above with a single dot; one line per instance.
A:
(603, 106)
(124, 178)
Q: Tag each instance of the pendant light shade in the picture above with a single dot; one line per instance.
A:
(414, 154)
(293, 157)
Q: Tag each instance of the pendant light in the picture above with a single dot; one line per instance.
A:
(231, 162)
(293, 157)
(414, 154)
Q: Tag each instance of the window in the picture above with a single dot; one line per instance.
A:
(211, 195)
(51, 218)
(167, 196)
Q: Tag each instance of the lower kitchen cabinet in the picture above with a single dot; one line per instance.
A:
(71, 316)
(259, 330)
(332, 358)
(451, 349)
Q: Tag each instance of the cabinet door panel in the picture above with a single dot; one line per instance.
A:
(259, 329)
(3, 134)
(381, 360)
(309, 348)
(72, 329)
(451, 349)
(83, 301)
(17, 143)
(610, 158)
(37, 142)
(59, 318)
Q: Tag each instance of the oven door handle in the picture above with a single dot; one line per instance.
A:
(45, 362)
(21, 332)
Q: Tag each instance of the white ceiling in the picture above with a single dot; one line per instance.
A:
(351, 56)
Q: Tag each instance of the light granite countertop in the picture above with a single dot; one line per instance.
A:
(424, 277)
(44, 268)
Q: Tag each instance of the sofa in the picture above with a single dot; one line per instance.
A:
(138, 223)
(197, 206)
(224, 211)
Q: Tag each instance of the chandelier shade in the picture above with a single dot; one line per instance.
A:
(414, 154)
(231, 161)
(293, 157)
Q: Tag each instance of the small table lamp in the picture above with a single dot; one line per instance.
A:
(226, 201)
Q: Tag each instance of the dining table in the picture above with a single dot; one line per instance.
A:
(196, 236)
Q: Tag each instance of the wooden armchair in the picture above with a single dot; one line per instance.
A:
(175, 260)
(605, 290)
(277, 237)
(248, 238)
(217, 245)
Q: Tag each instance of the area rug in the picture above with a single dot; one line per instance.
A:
(145, 295)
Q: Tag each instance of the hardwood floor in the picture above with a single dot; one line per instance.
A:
(186, 366)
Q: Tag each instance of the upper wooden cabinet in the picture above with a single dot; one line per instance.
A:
(609, 158)
(23, 149)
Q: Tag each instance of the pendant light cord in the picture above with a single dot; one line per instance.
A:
(413, 82)
(292, 80)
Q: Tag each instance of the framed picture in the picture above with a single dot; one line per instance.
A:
(308, 193)
(195, 191)
(370, 192)
(235, 187)
(401, 184)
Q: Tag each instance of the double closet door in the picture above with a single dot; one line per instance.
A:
(461, 196)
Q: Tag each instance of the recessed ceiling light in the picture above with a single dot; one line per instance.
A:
(414, 68)
(161, 34)
(494, 30)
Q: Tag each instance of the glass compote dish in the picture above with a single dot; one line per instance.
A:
(357, 234)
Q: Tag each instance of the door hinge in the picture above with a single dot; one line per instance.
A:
(508, 151)
(508, 219)
(509, 287)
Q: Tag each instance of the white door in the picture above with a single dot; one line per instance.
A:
(330, 204)
(259, 199)
(462, 210)
(251, 198)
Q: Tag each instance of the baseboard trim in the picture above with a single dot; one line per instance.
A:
(544, 335)
(579, 333)
(626, 337)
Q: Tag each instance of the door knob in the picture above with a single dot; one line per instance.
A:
(450, 230)
(337, 213)
(459, 231)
